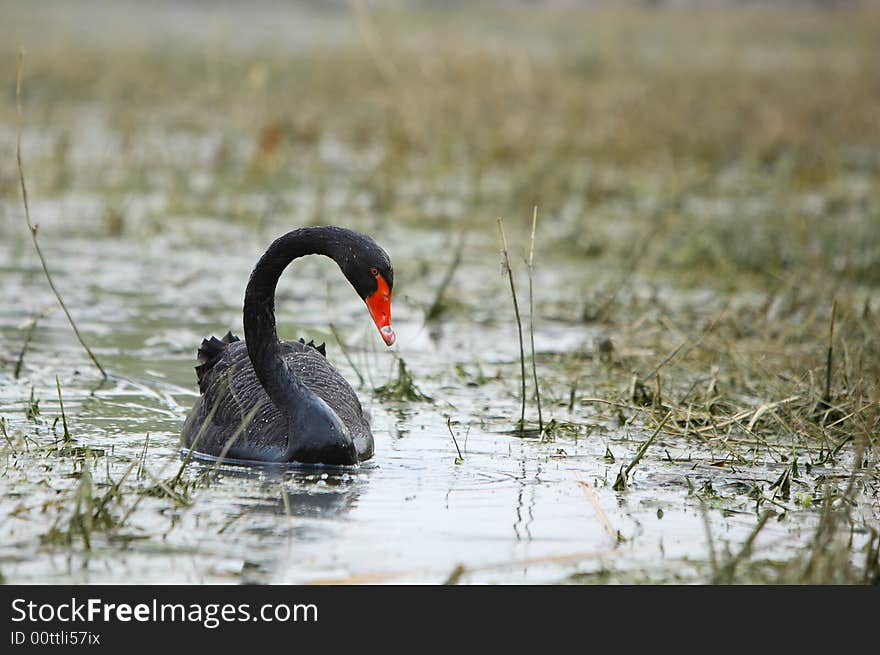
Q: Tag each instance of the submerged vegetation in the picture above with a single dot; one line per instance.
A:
(704, 306)
(401, 389)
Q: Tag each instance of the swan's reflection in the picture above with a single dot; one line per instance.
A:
(309, 496)
(300, 492)
(274, 512)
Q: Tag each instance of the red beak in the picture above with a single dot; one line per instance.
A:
(379, 304)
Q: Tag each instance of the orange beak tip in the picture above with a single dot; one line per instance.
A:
(388, 335)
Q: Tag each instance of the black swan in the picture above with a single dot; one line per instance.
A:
(264, 400)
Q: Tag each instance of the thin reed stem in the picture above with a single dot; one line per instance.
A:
(454, 440)
(522, 351)
(32, 325)
(532, 320)
(33, 228)
(621, 483)
(830, 354)
(63, 415)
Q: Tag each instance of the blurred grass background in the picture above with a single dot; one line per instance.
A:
(745, 140)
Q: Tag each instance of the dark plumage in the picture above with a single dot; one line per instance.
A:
(263, 400)
(229, 364)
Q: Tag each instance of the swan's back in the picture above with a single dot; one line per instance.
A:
(230, 389)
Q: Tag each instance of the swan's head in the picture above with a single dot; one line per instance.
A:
(368, 267)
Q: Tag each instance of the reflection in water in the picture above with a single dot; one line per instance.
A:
(309, 497)
(284, 509)
(302, 493)
(396, 427)
(522, 525)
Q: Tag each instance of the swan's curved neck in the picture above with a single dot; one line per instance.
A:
(261, 338)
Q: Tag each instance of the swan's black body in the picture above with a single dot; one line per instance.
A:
(270, 401)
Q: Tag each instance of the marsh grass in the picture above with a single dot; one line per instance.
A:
(832, 557)
(91, 510)
(91, 513)
(653, 161)
(620, 483)
(32, 409)
(403, 388)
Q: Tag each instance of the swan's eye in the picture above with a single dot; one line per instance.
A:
(374, 272)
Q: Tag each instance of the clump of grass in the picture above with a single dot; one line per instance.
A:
(560, 428)
(174, 489)
(64, 449)
(32, 409)
(621, 483)
(91, 514)
(830, 558)
(403, 388)
(521, 424)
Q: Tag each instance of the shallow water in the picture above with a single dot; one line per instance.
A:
(512, 511)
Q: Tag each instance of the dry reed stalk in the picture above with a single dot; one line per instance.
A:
(522, 351)
(33, 228)
(532, 321)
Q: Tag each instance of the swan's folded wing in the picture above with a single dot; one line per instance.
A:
(308, 363)
(235, 405)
